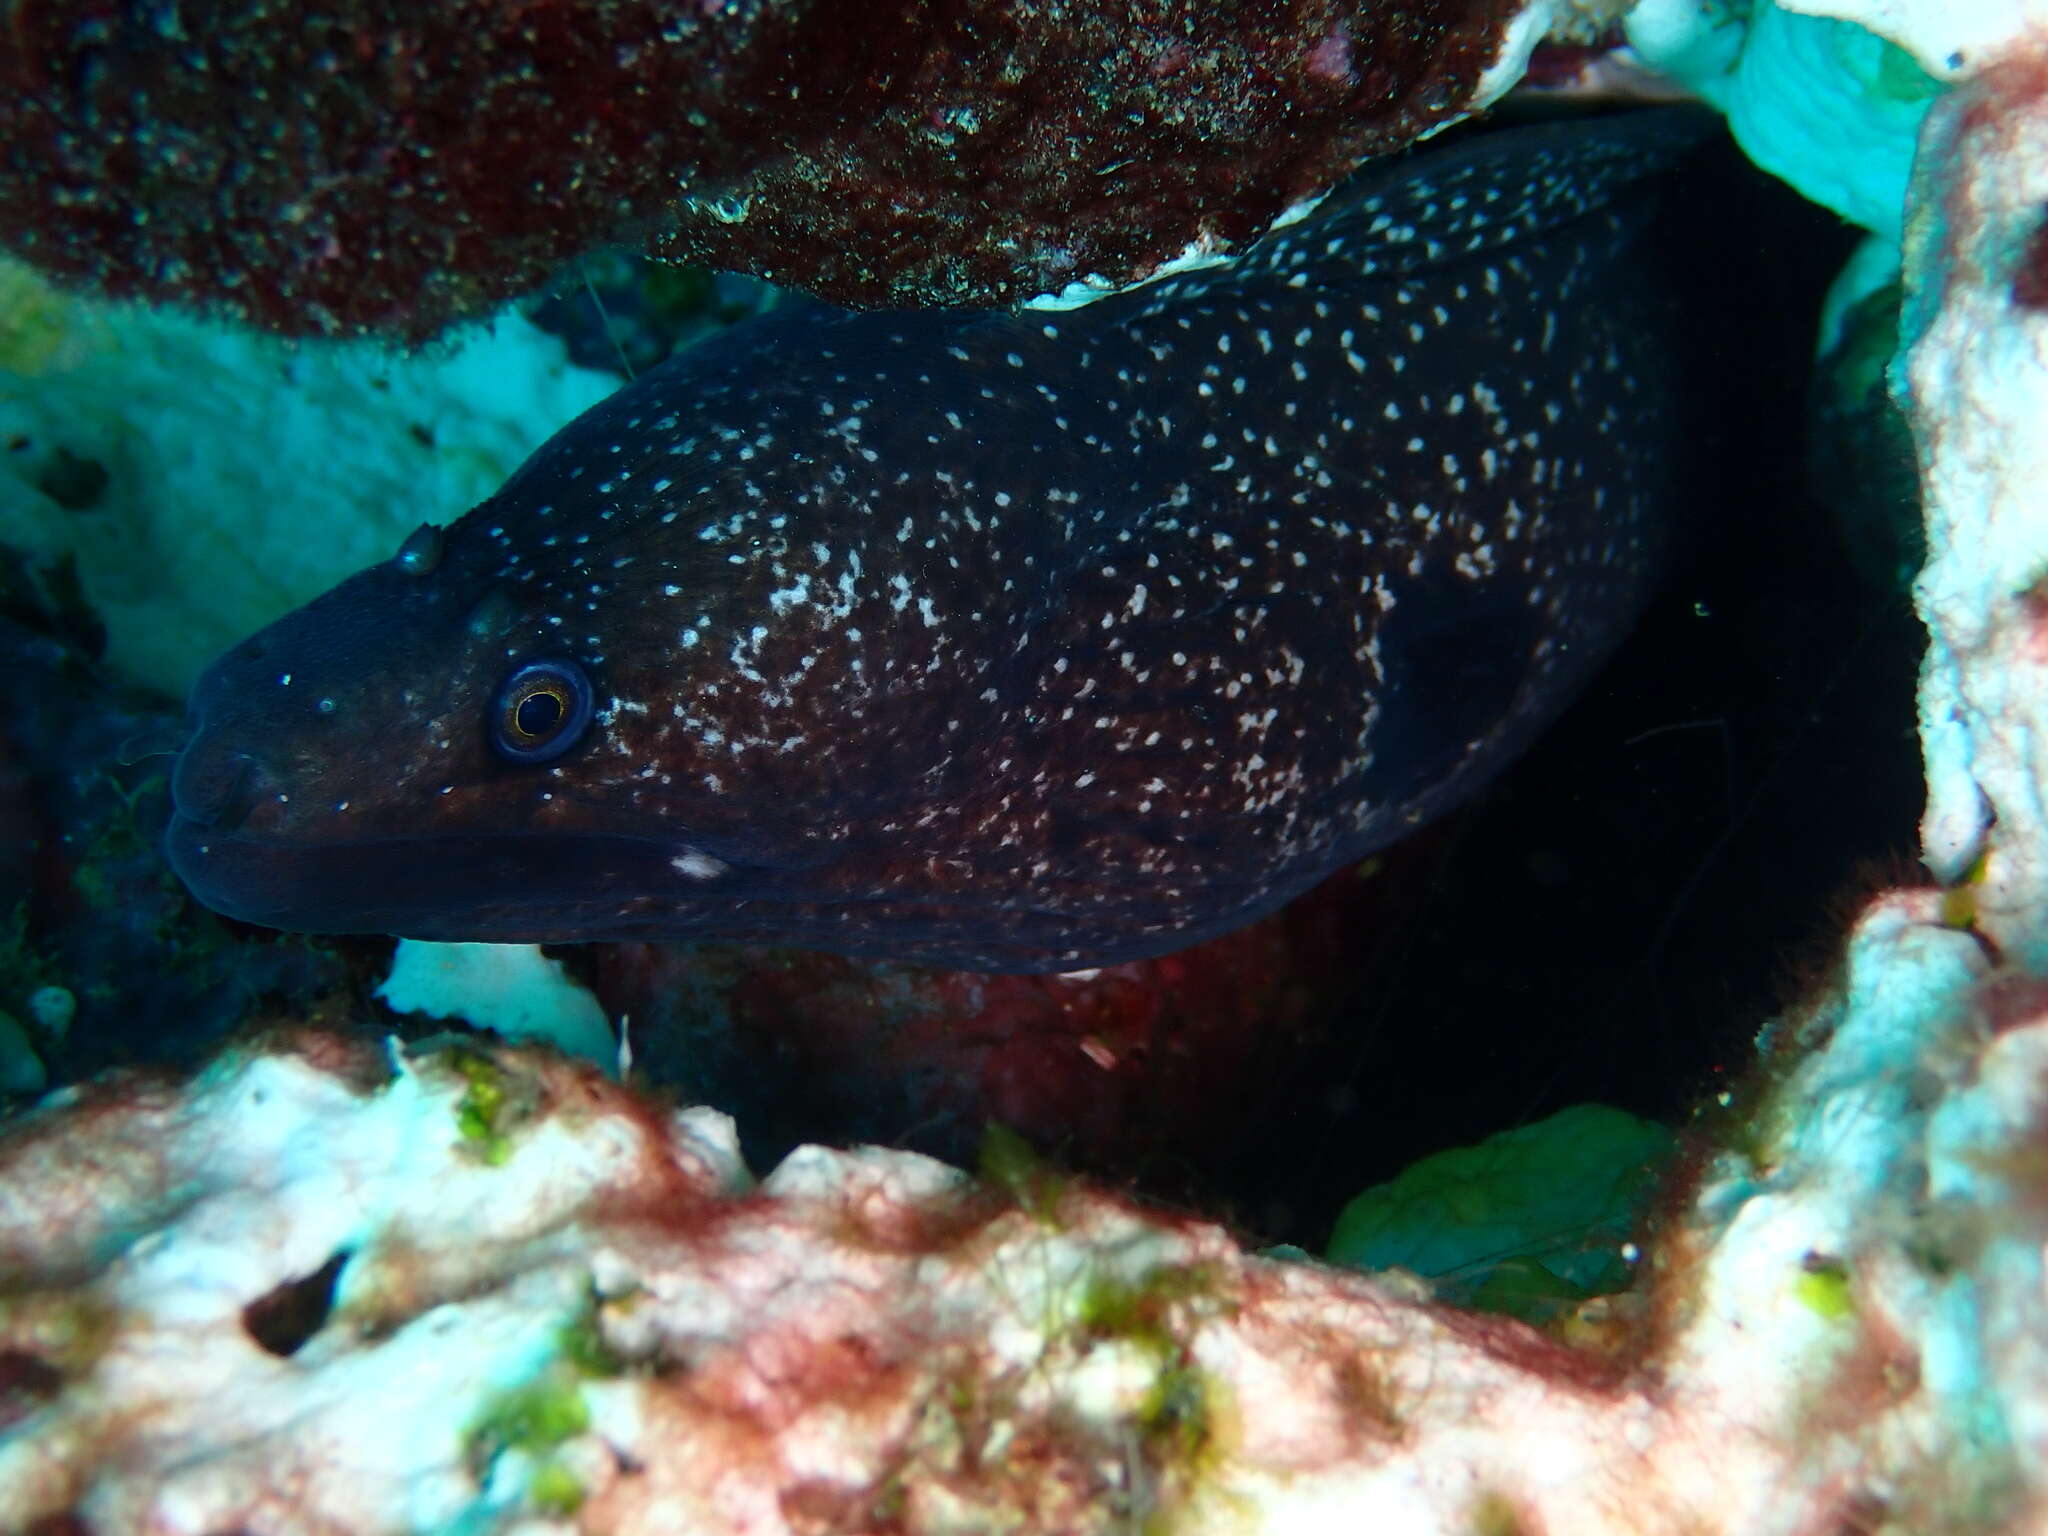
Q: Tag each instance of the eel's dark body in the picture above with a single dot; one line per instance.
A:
(1010, 642)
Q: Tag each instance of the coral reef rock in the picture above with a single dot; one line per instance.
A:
(490, 1290)
(1974, 373)
(357, 165)
(190, 468)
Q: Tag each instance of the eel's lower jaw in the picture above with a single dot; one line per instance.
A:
(453, 889)
(526, 889)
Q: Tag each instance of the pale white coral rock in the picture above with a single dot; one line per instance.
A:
(1952, 39)
(492, 1291)
(510, 989)
(1973, 372)
(1828, 106)
(207, 445)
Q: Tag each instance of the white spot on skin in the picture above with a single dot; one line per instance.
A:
(693, 865)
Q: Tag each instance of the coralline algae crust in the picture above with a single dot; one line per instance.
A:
(388, 177)
(1972, 375)
(1524, 30)
(609, 1329)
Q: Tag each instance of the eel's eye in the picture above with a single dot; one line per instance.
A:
(542, 711)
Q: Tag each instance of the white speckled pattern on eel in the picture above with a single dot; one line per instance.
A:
(1003, 641)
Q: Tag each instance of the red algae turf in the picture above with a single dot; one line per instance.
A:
(1135, 1068)
(367, 166)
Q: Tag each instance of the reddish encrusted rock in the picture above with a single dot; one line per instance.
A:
(326, 1288)
(1127, 1069)
(375, 165)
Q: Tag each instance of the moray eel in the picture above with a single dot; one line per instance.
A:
(1002, 641)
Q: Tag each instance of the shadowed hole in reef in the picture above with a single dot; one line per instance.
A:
(284, 1317)
(27, 1381)
(1614, 918)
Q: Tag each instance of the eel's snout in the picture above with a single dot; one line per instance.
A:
(215, 784)
(214, 788)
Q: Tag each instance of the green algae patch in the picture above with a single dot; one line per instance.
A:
(39, 323)
(1007, 1162)
(1823, 1289)
(1184, 1425)
(1180, 1418)
(1175, 1412)
(584, 1349)
(536, 1416)
(1115, 1308)
(554, 1489)
(540, 1415)
(1177, 1417)
(1495, 1515)
(1959, 901)
(481, 1117)
(1528, 1222)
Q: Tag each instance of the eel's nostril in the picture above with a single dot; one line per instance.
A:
(166, 737)
(213, 788)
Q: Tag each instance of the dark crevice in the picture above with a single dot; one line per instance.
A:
(284, 1317)
(27, 1381)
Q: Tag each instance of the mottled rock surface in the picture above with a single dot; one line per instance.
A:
(371, 166)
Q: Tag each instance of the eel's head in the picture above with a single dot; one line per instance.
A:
(429, 750)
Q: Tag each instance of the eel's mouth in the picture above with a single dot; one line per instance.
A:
(506, 888)
(524, 888)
